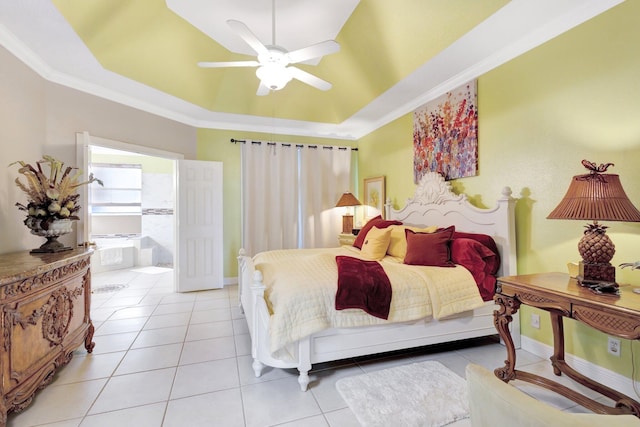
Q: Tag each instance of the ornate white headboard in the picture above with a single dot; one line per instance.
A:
(435, 204)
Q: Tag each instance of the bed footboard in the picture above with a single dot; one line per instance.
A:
(251, 294)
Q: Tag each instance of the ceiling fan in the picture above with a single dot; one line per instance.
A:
(273, 61)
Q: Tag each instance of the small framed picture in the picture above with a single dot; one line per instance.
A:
(374, 197)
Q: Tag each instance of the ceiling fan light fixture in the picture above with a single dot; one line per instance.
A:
(274, 76)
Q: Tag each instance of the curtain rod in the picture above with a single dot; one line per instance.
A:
(327, 147)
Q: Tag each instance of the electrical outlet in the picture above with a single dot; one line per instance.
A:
(613, 346)
(535, 321)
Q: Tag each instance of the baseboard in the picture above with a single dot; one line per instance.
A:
(230, 281)
(602, 375)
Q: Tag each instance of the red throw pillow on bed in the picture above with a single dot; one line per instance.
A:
(481, 261)
(485, 239)
(378, 222)
(430, 249)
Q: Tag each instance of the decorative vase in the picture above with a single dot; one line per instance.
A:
(56, 228)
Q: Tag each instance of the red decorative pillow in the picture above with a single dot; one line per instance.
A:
(430, 249)
(485, 239)
(377, 222)
(481, 261)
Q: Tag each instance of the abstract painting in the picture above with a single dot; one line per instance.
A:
(445, 135)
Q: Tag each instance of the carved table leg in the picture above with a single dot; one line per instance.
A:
(501, 319)
(3, 413)
(88, 340)
(557, 359)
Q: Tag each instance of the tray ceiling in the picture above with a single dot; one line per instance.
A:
(394, 56)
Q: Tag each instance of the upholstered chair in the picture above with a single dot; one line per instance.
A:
(494, 403)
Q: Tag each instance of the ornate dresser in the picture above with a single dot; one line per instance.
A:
(45, 300)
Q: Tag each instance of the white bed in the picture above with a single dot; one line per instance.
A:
(433, 204)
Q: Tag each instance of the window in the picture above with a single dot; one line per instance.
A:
(122, 190)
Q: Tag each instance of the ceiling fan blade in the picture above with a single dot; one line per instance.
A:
(309, 79)
(245, 33)
(263, 90)
(314, 51)
(228, 64)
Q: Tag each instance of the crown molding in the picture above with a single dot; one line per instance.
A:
(518, 27)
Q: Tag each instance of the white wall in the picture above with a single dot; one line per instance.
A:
(121, 224)
(38, 117)
(157, 195)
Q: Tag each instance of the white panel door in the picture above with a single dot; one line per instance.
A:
(199, 226)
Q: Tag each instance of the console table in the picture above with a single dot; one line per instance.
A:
(45, 301)
(562, 297)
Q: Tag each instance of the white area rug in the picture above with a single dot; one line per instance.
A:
(152, 270)
(419, 394)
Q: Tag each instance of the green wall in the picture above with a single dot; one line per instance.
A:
(575, 97)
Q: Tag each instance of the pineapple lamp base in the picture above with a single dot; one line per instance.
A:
(595, 269)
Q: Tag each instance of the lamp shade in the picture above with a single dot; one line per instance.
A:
(598, 197)
(347, 199)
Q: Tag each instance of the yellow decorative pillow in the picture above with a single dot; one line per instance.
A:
(376, 243)
(398, 243)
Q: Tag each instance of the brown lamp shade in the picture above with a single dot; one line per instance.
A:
(598, 197)
(347, 199)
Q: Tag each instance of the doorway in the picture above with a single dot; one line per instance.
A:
(131, 218)
(195, 232)
(132, 213)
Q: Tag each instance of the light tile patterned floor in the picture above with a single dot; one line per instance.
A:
(183, 360)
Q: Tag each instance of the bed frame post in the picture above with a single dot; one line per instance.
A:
(507, 206)
(242, 267)
(251, 293)
(304, 362)
(257, 297)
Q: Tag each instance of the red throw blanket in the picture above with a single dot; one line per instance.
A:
(364, 285)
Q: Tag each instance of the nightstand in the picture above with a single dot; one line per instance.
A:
(346, 239)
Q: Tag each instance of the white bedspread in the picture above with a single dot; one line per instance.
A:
(301, 286)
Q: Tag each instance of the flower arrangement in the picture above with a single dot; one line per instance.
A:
(51, 196)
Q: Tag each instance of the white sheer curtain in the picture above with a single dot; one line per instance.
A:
(269, 196)
(289, 192)
(325, 173)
